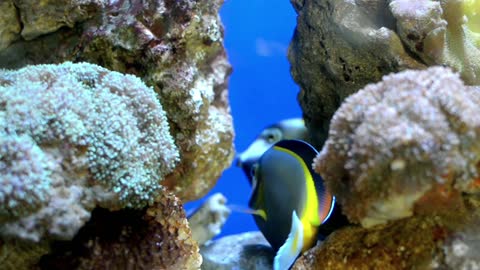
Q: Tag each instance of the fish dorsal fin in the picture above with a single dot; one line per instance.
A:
(289, 251)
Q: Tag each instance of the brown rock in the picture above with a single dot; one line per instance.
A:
(420, 242)
(156, 239)
(249, 250)
(338, 47)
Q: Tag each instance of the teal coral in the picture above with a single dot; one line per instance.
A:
(77, 135)
(28, 169)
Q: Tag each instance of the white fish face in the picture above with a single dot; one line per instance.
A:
(266, 139)
(287, 129)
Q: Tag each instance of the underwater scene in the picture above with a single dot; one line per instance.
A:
(240, 134)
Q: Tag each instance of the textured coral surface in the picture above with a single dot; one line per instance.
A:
(174, 46)
(72, 137)
(156, 239)
(444, 241)
(339, 46)
(401, 142)
(103, 141)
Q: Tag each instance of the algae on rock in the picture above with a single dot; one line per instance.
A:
(176, 47)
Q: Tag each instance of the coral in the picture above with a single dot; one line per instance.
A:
(412, 140)
(207, 221)
(407, 244)
(420, 242)
(156, 239)
(76, 136)
(440, 33)
(174, 46)
(339, 46)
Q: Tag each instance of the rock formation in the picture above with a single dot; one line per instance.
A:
(340, 46)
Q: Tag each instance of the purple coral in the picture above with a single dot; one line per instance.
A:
(393, 141)
(74, 136)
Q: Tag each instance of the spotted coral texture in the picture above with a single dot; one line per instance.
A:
(393, 141)
(74, 136)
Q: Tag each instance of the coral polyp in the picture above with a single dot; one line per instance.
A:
(394, 143)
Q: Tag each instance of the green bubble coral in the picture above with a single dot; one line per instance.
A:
(443, 32)
(76, 136)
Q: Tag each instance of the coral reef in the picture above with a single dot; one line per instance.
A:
(420, 242)
(174, 46)
(402, 155)
(73, 137)
(411, 140)
(441, 32)
(249, 250)
(407, 244)
(207, 221)
(96, 138)
(156, 239)
(340, 46)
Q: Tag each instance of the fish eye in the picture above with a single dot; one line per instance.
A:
(273, 135)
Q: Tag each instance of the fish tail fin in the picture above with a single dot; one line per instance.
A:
(289, 251)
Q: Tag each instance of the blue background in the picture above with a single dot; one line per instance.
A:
(262, 92)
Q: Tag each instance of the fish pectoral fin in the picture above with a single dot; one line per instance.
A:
(289, 251)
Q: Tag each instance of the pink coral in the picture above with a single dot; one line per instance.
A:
(392, 142)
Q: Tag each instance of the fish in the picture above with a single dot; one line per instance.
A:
(289, 201)
(288, 129)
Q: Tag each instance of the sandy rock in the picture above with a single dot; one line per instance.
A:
(207, 221)
(248, 250)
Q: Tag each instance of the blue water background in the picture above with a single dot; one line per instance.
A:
(262, 92)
